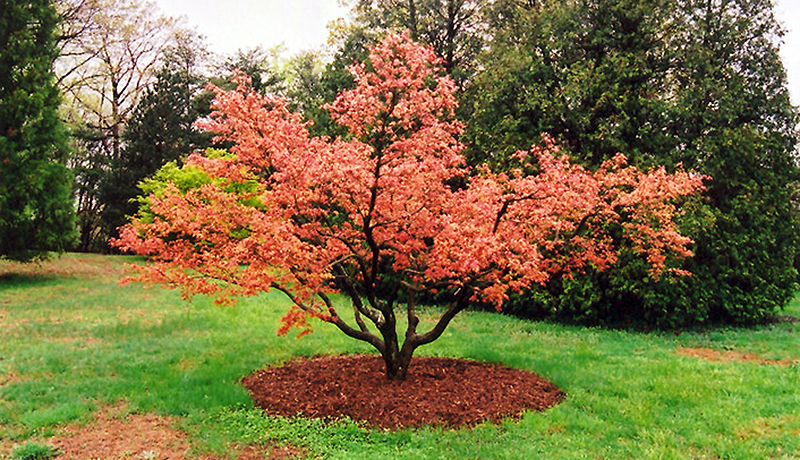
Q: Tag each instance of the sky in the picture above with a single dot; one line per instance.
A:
(230, 25)
(298, 25)
(788, 13)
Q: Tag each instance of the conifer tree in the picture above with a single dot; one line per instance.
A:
(36, 211)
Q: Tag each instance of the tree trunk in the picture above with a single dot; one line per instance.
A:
(397, 365)
(398, 359)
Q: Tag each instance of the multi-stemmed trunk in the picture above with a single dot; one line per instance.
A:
(397, 362)
(396, 355)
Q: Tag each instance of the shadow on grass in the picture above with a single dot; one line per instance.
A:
(69, 266)
(777, 319)
(24, 280)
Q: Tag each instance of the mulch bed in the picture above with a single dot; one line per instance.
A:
(437, 391)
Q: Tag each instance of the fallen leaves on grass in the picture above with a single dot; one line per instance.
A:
(732, 356)
(112, 436)
(771, 427)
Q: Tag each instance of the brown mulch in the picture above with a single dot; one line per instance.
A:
(437, 391)
(732, 355)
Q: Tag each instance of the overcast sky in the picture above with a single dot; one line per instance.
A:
(788, 12)
(230, 25)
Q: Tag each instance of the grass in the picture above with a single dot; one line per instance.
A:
(33, 451)
(74, 341)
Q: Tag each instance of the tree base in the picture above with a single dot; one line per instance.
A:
(437, 391)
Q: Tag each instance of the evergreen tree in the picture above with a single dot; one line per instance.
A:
(590, 73)
(733, 121)
(36, 211)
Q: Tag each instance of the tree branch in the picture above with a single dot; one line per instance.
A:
(355, 298)
(364, 336)
(456, 306)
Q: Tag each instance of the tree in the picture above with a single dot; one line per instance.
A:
(113, 61)
(304, 83)
(76, 25)
(110, 51)
(734, 122)
(591, 73)
(160, 130)
(36, 213)
(454, 28)
(375, 217)
(261, 66)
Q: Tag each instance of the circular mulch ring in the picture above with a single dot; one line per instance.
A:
(437, 391)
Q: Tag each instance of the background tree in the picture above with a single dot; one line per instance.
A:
(351, 43)
(109, 60)
(76, 25)
(304, 82)
(159, 131)
(118, 53)
(454, 28)
(733, 120)
(697, 82)
(592, 74)
(36, 213)
(263, 67)
(374, 218)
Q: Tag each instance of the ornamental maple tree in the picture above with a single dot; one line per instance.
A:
(380, 216)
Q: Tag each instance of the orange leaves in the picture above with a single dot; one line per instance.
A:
(295, 318)
(505, 233)
(646, 202)
(402, 95)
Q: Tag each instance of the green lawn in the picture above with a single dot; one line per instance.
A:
(73, 341)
